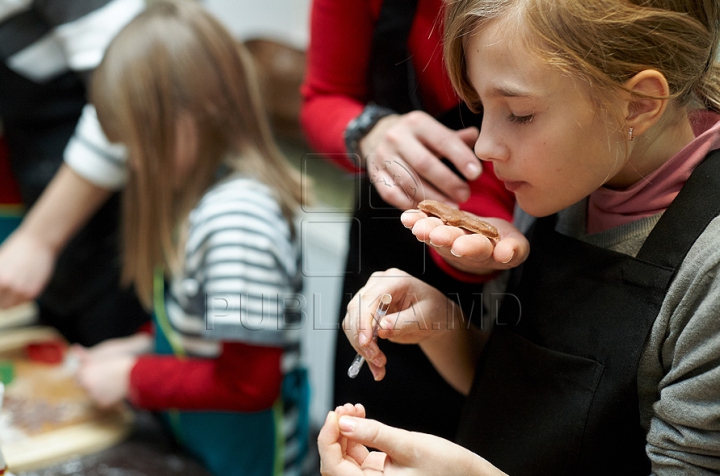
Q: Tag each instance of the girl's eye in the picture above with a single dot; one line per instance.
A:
(521, 119)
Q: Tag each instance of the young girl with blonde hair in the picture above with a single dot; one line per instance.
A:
(209, 245)
(603, 117)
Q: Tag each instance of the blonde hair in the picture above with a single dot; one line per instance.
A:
(603, 42)
(175, 60)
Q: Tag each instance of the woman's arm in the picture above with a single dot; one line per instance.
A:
(335, 87)
(27, 257)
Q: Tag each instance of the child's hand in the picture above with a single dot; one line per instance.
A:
(106, 380)
(349, 447)
(418, 312)
(403, 452)
(469, 252)
(136, 344)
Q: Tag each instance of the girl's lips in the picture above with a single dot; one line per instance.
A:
(512, 185)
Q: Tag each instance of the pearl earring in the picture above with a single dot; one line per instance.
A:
(630, 134)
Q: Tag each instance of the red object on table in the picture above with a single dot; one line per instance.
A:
(48, 352)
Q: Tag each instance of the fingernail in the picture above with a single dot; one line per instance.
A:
(346, 423)
(511, 258)
(473, 171)
(362, 340)
(457, 255)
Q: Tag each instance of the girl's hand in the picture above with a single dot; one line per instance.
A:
(136, 344)
(470, 252)
(348, 446)
(418, 312)
(403, 159)
(106, 380)
(344, 439)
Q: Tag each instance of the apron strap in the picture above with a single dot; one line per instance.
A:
(685, 220)
(391, 73)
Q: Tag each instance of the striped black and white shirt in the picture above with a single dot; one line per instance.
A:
(242, 282)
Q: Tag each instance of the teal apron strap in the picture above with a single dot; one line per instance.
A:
(172, 337)
(161, 315)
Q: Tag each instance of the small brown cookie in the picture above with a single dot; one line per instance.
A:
(454, 217)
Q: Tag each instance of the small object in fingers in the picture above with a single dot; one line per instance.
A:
(454, 217)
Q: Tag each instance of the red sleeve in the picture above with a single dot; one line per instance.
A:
(243, 378)
(335, 86)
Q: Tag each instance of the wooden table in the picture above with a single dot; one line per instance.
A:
(118, 443)
(148, 451)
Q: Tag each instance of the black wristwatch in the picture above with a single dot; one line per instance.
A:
(361, 125)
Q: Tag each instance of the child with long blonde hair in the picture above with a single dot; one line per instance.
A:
(209, 246)
(603, 117)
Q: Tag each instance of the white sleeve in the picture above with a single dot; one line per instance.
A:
(85, 39)
(92, 156)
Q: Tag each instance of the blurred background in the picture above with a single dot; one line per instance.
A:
(276, 33)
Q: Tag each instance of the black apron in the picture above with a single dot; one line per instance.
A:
(555, 391)
(83, 298)
(412, 395)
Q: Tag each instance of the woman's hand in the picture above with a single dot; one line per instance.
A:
(345, 437)
(403, 160)
(470, 252)
(418, 312)
(106, 380)
(26, 265)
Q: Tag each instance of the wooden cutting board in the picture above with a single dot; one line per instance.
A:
(46, 417)
(21, 315)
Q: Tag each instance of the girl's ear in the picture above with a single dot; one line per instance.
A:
(647, 106)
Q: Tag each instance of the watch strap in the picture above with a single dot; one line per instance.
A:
(362, 125)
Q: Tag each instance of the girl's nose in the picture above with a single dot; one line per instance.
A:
(488, 146)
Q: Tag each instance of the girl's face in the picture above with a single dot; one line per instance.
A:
(186, 149)
(540, 129)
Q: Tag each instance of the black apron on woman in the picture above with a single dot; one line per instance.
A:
(412, 395)
(83, 299)
(555, 392)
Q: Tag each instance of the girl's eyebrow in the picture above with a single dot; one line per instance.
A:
(508, 91)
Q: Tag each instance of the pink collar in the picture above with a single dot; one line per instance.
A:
(610, 208)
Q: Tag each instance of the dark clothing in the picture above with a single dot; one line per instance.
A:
(556, 389)
(412, 395)
(83, 299)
